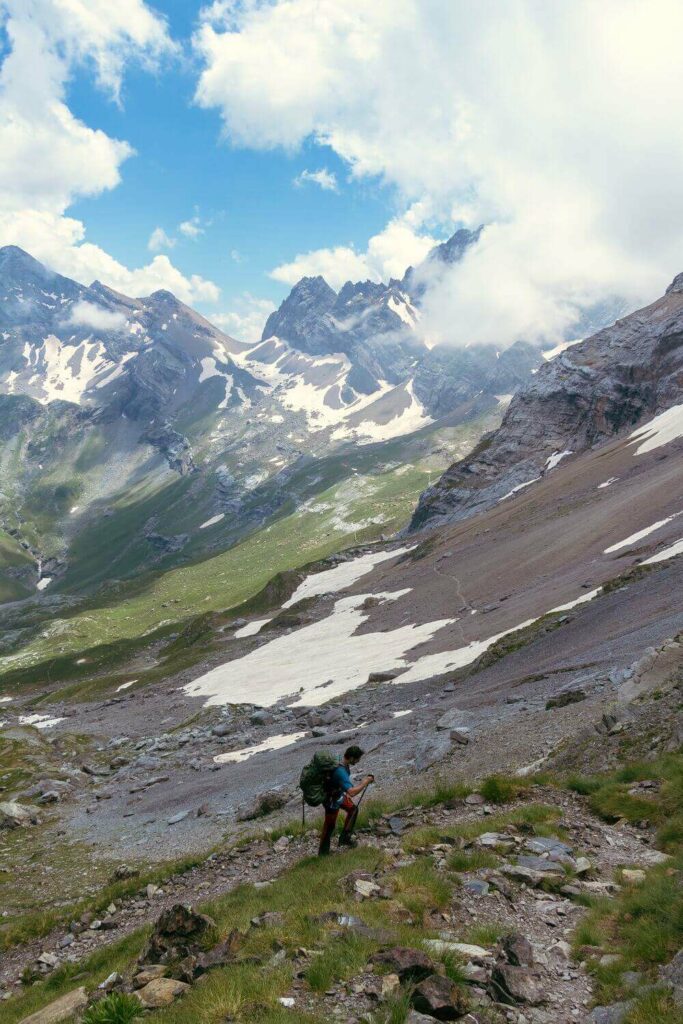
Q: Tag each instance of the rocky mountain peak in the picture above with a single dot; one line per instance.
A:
(16, 265)
(454, 248)
(676, 285)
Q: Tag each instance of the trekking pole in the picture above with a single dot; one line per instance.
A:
(360, 801)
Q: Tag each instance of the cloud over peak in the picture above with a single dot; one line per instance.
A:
(555, 124)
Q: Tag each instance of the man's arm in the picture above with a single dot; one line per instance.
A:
(355, 790)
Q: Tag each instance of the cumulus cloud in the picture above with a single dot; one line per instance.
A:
(50, 158)
(247, 320)
(160, 240)
(88, 314)
(326, 180)
(388, 254)
(554, 124)
(191, 228)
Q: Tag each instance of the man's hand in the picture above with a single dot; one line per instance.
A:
(369, 779)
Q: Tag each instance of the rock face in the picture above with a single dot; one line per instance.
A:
(61, 1009)
(589, 393)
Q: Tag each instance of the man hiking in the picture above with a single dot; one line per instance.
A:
(339, 791)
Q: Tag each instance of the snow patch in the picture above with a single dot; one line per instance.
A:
(124, 686)
(212, 521)
(45, 582)
(272, 743)
(342, 576)
(555, 458)
(316, 663)
(665, 427)
(39, 721)
(519, 487)
(608, 483)
(671, 552)
(635, 537)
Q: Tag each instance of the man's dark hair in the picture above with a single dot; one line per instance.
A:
(354, 753)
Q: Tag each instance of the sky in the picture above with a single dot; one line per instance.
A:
(224, 150)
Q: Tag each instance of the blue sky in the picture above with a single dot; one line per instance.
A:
(120, 123)
(252, 215)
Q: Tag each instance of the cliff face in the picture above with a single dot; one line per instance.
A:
(589, 393)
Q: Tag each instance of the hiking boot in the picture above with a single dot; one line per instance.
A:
(346, 839)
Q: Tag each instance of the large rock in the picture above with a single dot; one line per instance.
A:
(61, 1009)
(176, 935)
(672, 974)
(438, 997)
(15, 815)
(518, 950)
(565, 697)
(510, 984)
(613, 1014)
(409, 964)
(161, 992)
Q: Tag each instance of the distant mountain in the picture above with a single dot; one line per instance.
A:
(585, 395)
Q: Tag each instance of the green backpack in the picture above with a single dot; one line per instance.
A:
(315, 778)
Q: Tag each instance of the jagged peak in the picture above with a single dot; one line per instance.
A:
(676, 285)
(15, 256)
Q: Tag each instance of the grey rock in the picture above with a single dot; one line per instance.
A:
(613, 1014)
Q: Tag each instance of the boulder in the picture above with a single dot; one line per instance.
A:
(63, 1008)
(264, 804)
(15, 815)
(572, 695)
(409, 964)
(518, 950)
(438, 997)
(161, 992)
(148, 974)
(512, 985)
(613, 1014)
(672, 974)
(176, 934)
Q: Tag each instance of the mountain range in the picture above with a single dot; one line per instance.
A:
(139, 414)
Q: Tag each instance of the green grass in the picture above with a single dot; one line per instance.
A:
(501, 789)
(610, 798)
(117, 1008)
(655, 1008)
(471, 860)
(643, 923)
(353, 510)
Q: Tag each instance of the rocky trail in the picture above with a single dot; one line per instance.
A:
(530, 879)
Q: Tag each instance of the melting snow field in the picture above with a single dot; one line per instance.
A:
(519, 487)
(665, 427)
(555, 458)
(124, 686)
(635, 537)
(344, 575)
(212, 521)
(40, 721)
(272, 743)
(670, 552)
(315, 663)
(4, 700)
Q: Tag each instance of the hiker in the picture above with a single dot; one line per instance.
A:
(339, 791)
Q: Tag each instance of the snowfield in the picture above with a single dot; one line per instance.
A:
(665, 427)
(635, 537)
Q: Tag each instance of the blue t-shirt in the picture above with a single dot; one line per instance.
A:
(340, 782)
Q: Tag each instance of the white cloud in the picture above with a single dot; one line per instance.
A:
(191, 228)
(88, 314)
(388, 254)
(326, 180)
(556, 124)
(160, 240)
(247, 320)
(50, 158)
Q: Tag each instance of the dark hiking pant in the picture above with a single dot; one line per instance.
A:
(331, 813)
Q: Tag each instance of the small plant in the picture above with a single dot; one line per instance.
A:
(116, 1008)
(498, 789)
